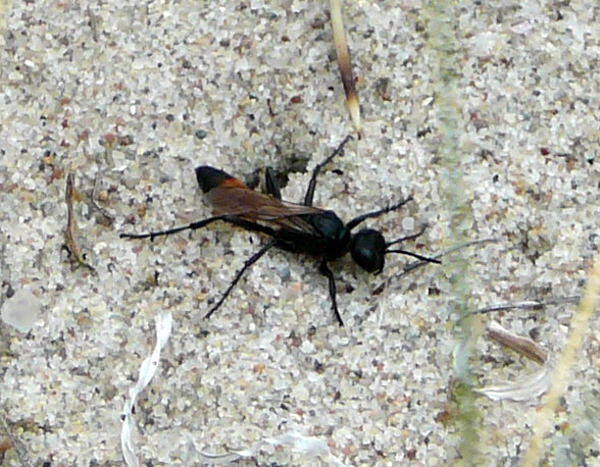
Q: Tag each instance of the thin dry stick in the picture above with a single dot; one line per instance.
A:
(528, 305)
(560, 376)
(70, 231)
(520, 344)
(345, 63)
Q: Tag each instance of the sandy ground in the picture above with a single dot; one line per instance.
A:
(488, 116)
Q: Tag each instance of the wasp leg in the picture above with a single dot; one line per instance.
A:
(310, 192)
(324, 269)
(357, 220)
(271, 184)
(192, 226)
(248, 225)
(249, 262)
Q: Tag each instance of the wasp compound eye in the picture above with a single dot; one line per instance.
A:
(368, 250)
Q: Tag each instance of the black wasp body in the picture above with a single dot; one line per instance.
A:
(328, 237)
(298, 228)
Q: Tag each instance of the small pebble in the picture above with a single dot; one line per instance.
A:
(21, 310)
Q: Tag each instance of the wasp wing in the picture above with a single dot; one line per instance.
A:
(253, 206)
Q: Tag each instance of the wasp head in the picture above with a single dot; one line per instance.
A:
(368, 249)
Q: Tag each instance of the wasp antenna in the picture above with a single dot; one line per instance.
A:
(415, 255)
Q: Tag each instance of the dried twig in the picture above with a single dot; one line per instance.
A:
(70, 231)
(526, 387)
(345, 64)
(528, 304)
(523, 345)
